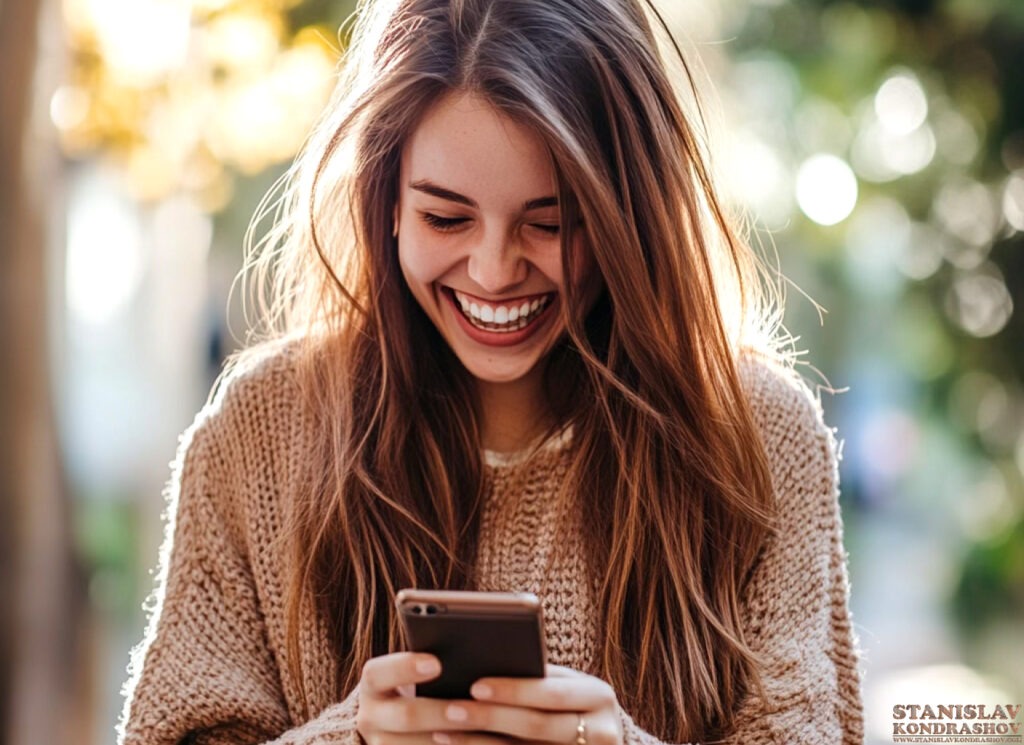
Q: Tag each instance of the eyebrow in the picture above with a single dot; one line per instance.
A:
(429, 187)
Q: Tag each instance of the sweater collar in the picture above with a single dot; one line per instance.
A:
(553, 443)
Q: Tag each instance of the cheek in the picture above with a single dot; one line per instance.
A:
(549, 262)
(422, 261)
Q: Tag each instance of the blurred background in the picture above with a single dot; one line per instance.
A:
(878, 146)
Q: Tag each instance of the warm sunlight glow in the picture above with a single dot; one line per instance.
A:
(104, 256)
(141, 40)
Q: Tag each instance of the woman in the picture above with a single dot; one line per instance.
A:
(518, 348)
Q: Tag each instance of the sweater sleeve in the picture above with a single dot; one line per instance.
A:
(205, 671)
(795, 610)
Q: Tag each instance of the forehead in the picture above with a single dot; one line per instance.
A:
(465, 144)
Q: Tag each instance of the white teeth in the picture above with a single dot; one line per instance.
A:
(501, 318)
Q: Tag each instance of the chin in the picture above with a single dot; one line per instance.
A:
(488, 371)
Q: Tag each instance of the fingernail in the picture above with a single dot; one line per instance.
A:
(456, 713)
(481, 690)
(428, 667)
(441, 738)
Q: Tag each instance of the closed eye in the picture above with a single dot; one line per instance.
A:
(443, 224)
(551, 229)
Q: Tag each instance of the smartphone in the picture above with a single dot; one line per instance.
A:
(474, 635)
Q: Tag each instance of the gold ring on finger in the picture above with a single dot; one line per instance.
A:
(581, 731)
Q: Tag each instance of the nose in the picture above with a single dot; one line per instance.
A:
(496, 264)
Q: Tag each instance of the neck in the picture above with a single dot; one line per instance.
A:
(514, 413)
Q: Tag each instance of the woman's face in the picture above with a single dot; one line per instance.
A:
(478, 237)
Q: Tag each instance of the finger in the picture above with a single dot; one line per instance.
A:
(560, 671)
(398, 738)
(468, 738)
(451, 717)
(383, 675)
(471, 718)
(577, 693)
(413, 715)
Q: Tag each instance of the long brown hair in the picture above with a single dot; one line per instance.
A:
(665, 455)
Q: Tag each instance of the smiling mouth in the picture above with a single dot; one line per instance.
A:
(506, 317)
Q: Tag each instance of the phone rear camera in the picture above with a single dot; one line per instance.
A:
(417, 609)
(431, 610)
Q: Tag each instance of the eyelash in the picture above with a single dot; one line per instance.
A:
(443, 224)
(448, 224)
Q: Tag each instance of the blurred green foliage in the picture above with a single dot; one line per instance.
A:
(991, 584)
(968, 57)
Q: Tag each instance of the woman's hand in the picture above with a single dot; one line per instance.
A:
(388, 710)
(544, 710)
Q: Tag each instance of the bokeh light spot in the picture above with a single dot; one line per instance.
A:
(69, 107)
(980, 304)
(142, 40)
(967, 210)
(104, 257)
(922, 256)
(755, 176)
(1013, 201)
(826, 189)
(243, 42)
(901, 104)
(957, 139)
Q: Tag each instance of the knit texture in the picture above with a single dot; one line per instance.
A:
(211, 667)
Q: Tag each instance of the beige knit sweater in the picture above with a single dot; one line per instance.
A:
(211, 666)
